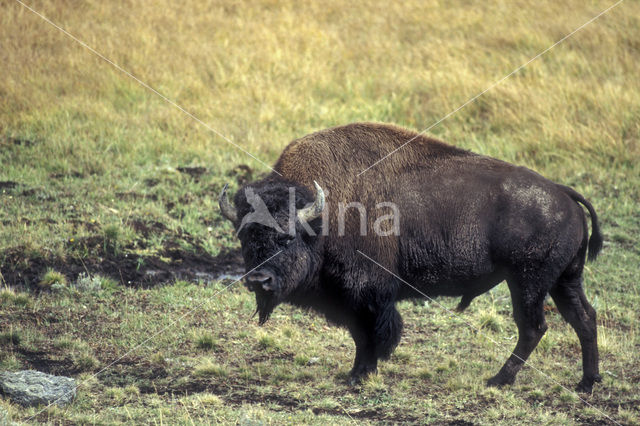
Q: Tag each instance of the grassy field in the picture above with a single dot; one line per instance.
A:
(108, 193)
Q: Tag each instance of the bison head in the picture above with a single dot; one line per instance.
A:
(279, 227)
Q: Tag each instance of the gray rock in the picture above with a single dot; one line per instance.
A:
(29, 388)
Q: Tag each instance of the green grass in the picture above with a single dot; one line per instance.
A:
(52, 278)
(97, 170)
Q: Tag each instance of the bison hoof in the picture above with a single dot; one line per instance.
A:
(586, 385)
(355, 380)
(359, 375)
(498, 381)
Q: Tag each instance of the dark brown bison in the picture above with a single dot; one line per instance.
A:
(452, 223)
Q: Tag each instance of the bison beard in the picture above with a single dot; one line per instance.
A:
(468, 222)
(265, 304)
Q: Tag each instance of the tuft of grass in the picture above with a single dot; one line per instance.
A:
(210, 400)
(288, 332)
(424, 374)
(301, 360)
(536, 394)
(22, 299)
(401, 356)
(11, 337)
(266, 342)
(116, 237)
(7, 296)
(85, 361)
(491, 321)
(109, 285)
(79, 351)
(207, 368)
(442, 368)
(64, 343)
(10, 297)
(568, 397)
(456, 384)
(9, 362)
(86, 283)
(206, 341)
(51, 278)
(121, 395)
(281, 376)
(374, 384)
(158, 358)
(132, 391)
(304, 376)
(629, 416)
(115, 393)
(328, 403)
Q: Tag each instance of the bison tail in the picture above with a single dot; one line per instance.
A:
(595, 241)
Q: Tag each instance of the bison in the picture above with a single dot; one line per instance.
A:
(464, 223)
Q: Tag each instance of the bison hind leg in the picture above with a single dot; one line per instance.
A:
(577, 311)
(527, 296)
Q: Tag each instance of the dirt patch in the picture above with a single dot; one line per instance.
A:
(17, 142)
(8, 184)
(194, 172)
(22, 268)
(146, 228)
(131, 195)
(242, 174)
(151, 182)
(74, 174)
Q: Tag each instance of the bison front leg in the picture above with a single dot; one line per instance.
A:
(376, 334)
(366, 362)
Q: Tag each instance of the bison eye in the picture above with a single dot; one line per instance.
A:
(285, 239)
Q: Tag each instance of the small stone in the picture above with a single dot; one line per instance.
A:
(30, 388)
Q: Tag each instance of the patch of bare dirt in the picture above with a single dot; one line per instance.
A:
(10, 141)
(194, 172)
(20, 267)
(8, 184)
(242, 174)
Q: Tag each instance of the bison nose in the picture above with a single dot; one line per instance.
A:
(262, 278)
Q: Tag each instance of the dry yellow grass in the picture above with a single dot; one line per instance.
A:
(266, 72)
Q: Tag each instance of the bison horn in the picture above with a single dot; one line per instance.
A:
(307, 214)
(226, 208)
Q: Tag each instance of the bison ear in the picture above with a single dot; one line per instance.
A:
(307, 214)
(227, 210)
